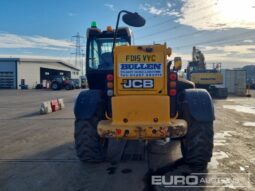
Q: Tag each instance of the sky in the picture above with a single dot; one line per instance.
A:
(224, 30)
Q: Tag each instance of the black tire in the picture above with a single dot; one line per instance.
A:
(218, 93)
(89, 146)
(55, 86)
(197, 145)
(222, 93)
(68, 87)
(38, 86)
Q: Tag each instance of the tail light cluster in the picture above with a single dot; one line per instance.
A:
(172, 83)
(172, 91)
(109, 79)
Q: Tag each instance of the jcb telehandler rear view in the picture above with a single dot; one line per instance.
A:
(135, 94)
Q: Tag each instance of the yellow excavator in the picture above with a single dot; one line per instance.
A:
(205, 78)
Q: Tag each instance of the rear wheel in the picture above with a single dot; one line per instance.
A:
(68, 87)
(197, 145)
(55, 86)
(89, 146)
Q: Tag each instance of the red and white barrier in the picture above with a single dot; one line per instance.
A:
(52, 106)
(61, 103)
(45, 107)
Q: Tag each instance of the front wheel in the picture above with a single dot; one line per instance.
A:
(197, 145)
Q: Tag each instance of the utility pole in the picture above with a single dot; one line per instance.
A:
(82, 64)
(78, 52)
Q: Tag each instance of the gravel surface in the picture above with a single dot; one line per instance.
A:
(37, 151)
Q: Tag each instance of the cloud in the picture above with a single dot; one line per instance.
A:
(227, 62)
(71, 14)
(153, 10)
(27, 52)
(231, 49)
(9, 41)
(252, 50)
(218, 14)
(169, 4)
(208, 15)
(110, 6)
(165, 10)
(248, 41)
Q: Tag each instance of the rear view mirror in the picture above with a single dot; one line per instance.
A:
(177, 63)
(133, 19)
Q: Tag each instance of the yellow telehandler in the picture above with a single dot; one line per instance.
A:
(135, 94)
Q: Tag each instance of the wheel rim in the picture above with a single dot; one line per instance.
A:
(54, 86)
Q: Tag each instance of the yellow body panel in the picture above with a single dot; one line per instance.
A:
(140, 109)
(207, 78)
(140, 104)
(135, 68)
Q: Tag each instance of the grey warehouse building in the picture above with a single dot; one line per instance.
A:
(15, 71)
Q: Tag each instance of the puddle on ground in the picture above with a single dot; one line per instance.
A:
(252, 160)
(241, 108)
(220, 138)
(217, 156)
(231, 100)
(248, 124)
(223, 134)
(219, 142)
(242, 168)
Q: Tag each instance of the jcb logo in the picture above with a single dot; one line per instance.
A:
(137, 83)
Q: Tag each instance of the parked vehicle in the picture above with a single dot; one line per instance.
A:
(209, 79)
(77, 83)
(60, 82)
(84, 83)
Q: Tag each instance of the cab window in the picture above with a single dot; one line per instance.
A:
(100, 53)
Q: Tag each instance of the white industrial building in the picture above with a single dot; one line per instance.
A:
(17, 71)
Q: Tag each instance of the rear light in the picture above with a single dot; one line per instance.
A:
(109, 93)
(109, 77)
(172, 84)
(172, 92)
(109, 29)
(110, 85)
(173, 76)
(118, 131)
